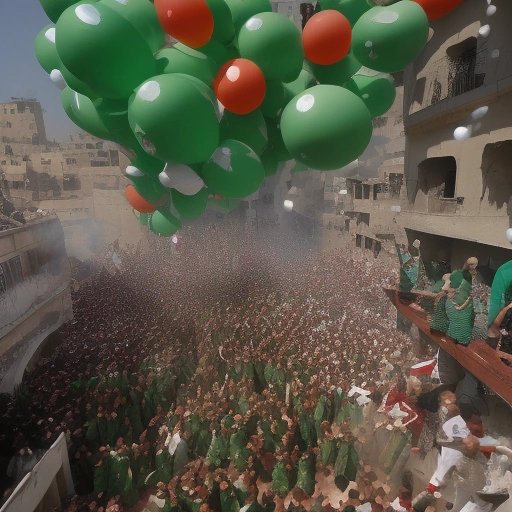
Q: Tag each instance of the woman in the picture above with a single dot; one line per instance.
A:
(459, 307)
(499, 335)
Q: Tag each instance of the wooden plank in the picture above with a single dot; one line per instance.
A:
(478, 357)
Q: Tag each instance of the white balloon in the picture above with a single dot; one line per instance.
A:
(491, 10)
(508, 234)
(57, 78)
(133, 171)
(462, 133)
(479, 113)
(288, 205)
(485, 30)
(182, 178)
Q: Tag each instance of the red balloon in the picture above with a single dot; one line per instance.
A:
(327, 37)
(436, 9)
(136, 201)
(188, 21)
(240, 86)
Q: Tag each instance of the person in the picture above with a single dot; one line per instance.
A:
(409, 268)
(439, 320)
(499, 334)
(459, 307)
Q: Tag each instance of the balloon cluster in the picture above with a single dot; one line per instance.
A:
(239, 91)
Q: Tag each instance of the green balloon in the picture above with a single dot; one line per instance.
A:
(274, 43)
(190, 207)
(217, 52)
(326, 127)
(114, 115)
(336, 74)
(304, 81)
(163, 223)
(275, 141)
(149, 166)
(270, 162)
(250, 129)
(242, 10)
(185, 60)
(46, 51)
(149, 188)
(389, 38)
(48, 58)
(142, 15)
(275, 99)
(223, 27)
(174, 118)
(351, 9)
(82, 111)
(378, 92)
(102, 49)
(234, 170)
(54, 8)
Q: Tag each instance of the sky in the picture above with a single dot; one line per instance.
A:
(21, 76)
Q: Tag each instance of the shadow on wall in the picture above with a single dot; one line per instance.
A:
(436, 178)
(496, 182)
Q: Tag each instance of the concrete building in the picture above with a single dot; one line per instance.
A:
(459, 193)
(35, 298)
(80, 180)
(289, 8)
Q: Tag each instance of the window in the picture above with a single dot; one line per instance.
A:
(8, 124)
(11, 273)
(13, 111)
(436, 184)
(71, 161)
(464, 64)
(8, 150)
(16, 269)
(114, 157)
(3, 279)
(71, 182)
(495, 167)
(89, 146)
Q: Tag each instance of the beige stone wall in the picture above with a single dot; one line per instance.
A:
(482, 180)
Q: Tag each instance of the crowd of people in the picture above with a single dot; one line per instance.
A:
(241, 372)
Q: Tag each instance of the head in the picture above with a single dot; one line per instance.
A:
(471, 265)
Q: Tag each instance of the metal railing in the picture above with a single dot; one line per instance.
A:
(450, 77)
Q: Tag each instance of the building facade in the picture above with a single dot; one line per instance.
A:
(35, 297)
(80, 180)
(459, 193)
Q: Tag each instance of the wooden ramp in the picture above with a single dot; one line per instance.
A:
(478, 357)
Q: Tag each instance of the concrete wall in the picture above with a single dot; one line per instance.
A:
(483, 212)
(46, 485)
(37, 300)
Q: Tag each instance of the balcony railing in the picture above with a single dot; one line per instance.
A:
(442, 205)
(450, 77)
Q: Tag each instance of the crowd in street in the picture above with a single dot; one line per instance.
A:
(239, 372)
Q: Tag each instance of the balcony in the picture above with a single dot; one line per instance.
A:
(478, 358)
(451, 82)
(442, 205)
